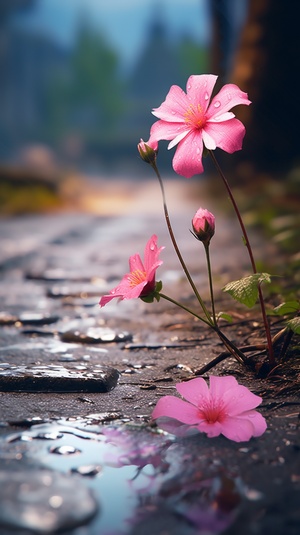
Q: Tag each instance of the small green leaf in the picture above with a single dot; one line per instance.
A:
(153, 295)
(294, 325)
(245, 290)
(158, 286)
(290, 307)
(225, 317)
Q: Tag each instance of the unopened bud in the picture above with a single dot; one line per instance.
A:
(147, 152)
(203, 225)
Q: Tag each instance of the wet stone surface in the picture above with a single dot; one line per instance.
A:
(57, 378)
(53, 334)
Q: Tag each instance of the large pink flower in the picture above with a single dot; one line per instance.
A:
(191, 120)
(224, 408)
(140, 282)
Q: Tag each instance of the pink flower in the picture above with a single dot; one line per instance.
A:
(191, 120)
(140, 282)
(224, 408)
(204, 225)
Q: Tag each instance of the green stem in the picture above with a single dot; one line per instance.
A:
(247, 243)
(172, 236)
(187, 309)
(206, 247)
(228, 344)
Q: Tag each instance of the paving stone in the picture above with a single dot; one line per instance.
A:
(57, 378)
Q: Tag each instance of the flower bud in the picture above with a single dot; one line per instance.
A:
(203, 225)
(147, 153)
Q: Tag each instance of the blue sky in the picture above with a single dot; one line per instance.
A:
(123, 22)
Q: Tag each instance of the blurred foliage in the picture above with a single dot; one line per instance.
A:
(24, 191)
(192, 59)
(88, 96)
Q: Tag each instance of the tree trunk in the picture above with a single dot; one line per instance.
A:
(267, 65)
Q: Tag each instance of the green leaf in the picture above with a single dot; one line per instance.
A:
(245, 290)
(225, 317)
(153, 295)
(290, 307)
(294, 325)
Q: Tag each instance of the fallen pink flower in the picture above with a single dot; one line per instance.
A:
(191, 120)
(140, 282)
(225, 407)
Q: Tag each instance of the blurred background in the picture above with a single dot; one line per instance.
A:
(78, 80)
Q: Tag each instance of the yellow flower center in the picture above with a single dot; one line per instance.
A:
(194, 116)
(136, 277)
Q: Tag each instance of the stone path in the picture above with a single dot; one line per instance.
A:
(63, 357)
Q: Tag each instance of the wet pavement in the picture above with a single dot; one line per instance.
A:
(78, 383)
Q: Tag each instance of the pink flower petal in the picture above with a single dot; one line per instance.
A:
(163, 130)
(178, 138)
(195, 391)
(199, 89)
(239, 399)
(173, 109)
(107, 298)
(176, 408)
(151, 255)
(229, 96)
(228, 135)
(222, 117)
(218, 386)
(211, 429)
(135, 263)
(257, 420)
(208, 141)
(187, 160)
(238, 429)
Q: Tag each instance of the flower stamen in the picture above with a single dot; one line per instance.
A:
(194, 116)
(136, 277)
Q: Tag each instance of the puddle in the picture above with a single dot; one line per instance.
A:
(126, 475)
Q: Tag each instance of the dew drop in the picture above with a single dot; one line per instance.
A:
(189, 87)
(217, 104)
(198, 150)
(206, 96)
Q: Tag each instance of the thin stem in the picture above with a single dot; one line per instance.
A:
(172, 236)
(225, 355)
(228, 344)
(187, 309)
(247, 243)
(206, 247)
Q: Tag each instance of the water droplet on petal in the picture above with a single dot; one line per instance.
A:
(189, 87)
(206, 96)
(217, 104)
(198, 150)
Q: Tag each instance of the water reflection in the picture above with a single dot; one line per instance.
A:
(135, 474)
